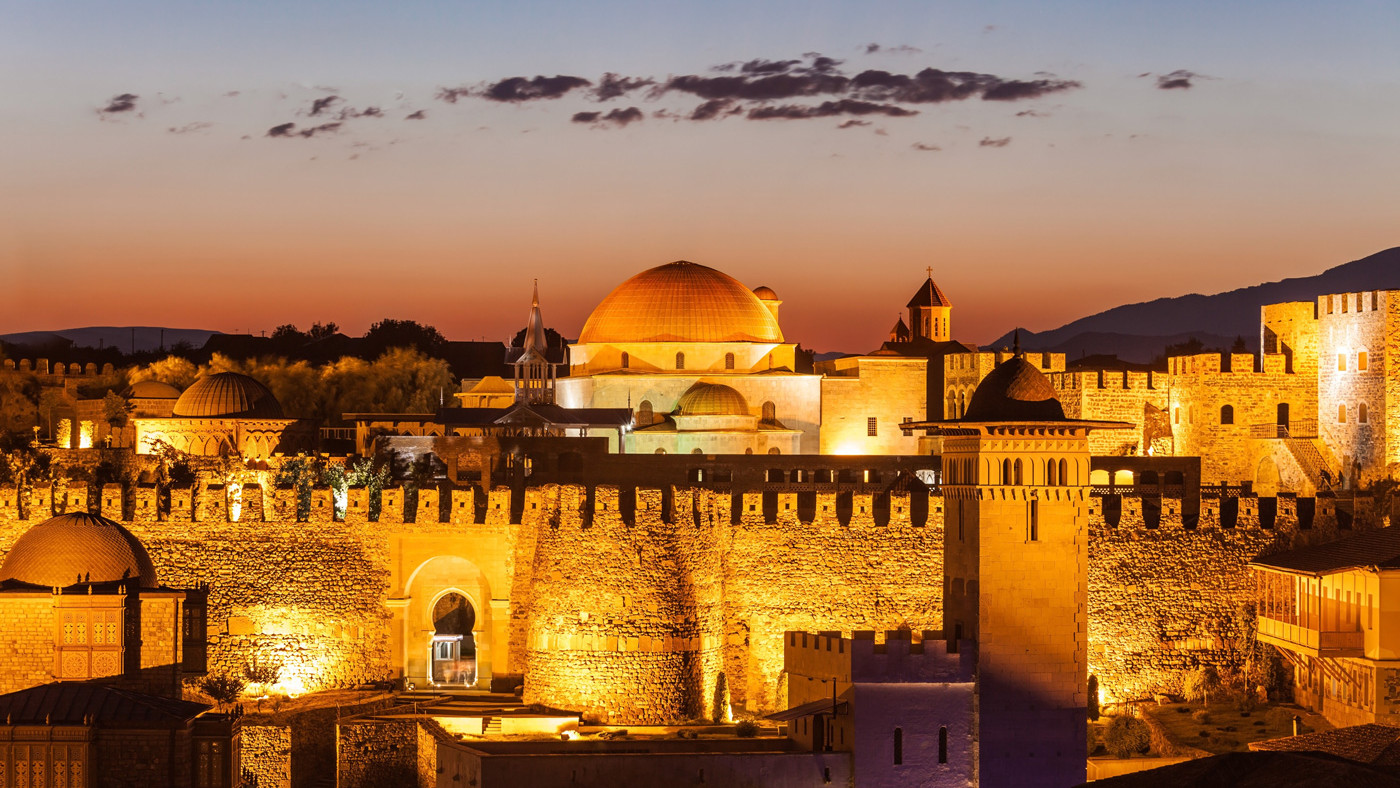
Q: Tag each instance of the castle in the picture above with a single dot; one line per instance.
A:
(650, 578)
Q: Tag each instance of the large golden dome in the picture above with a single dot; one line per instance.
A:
(681, 302)
(78, 547)
(227, 395)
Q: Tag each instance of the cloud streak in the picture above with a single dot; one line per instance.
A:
(290, 130)
(122, 102)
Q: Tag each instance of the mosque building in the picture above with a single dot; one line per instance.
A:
(223, 414)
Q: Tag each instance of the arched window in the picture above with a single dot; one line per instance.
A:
(770, 411)
(697, 451)
(680, 361)
(728, 360)
(645, 416)
(626, 360)
(1361, 415)
(952, 406)
(774, 450)
(898, 746)
(1227, 414)
(1052, 475)
(1006, 471)
(1064, 473)
(660, 451)
(962, 404)
(1016, 469)
(1342, 413)
(748, 450)
(943, 744)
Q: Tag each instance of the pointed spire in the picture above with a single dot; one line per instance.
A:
(535, 299)
(1016, 343)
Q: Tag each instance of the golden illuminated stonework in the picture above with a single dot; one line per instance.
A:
(681, 302)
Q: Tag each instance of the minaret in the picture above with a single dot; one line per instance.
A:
(534, 374)
(930, 312)
(1016, 486)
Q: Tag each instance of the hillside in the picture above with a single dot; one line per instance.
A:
(1137, 332)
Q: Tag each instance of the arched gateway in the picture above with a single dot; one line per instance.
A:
(443, 622)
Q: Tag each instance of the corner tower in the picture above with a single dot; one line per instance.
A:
(930, 313)
(1016, 486)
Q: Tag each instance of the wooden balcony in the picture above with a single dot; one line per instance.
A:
(1313, 642)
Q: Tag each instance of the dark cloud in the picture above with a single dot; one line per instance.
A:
(852, 123)
(902, 49)
(517, 89)
(925, 147)
(713, 109)
(124, 102)
(189, 127)
(1030, 113)
(368, 112)
(1178, 79)
(612, 86)
(616, 117)
(291, 130)
(421, 114)
(994, 142)
(761, 66)
(932, 86)
(828, 109)
(450, 95)
(772, 87)
(322, 104)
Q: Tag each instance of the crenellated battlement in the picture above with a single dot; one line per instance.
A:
(1109, 379)
(42, 368)
(896, 655)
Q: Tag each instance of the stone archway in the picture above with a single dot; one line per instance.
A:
(1266, 478)
(447, 596)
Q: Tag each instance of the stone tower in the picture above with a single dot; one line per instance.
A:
(1016, 486)
(534, 374)
(930, 313)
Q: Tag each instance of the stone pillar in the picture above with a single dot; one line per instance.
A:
(181, 504)
(391, 505)
(1132, 513)
(862, 510)
(322, 505)
(356, 505)
(76, 497)
(209, 504)
(428, 511)
(1210, 512)
(826, 509)
(1286, 519)
(1171, 512)
(40, 505)
(498, 507)
(463, 511)
(146, 505)
(1249, 512)
(254, 506)
(112, 502)
(9, 503)
(899, 509)
(284, 504)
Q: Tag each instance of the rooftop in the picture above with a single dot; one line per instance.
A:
(1379, 548)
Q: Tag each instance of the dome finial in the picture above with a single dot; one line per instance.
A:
(1016, 343)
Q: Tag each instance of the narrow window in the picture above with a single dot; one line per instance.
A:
(1329, 304)
(1006, 471)
(1362, 363)
(1341, 362)
(1033, 522)
(626, 361)
(728, 360)
(872, 427)
(943, 744)
(1342, 413)
(1361, 415)
(770, 411)
(1227, 414)
(645, 416)
(680, 361)
(898, 746)
(1064, 473)
(1346, 302)
(1176, 415)
(1051, 473)
(1017, 471)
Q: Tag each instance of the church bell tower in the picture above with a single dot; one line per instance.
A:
(534, 374)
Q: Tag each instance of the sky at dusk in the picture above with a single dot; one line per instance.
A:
(236, 166)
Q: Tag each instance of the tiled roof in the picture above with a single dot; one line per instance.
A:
(74, 703)
(929, 295)
(78, 547)
(1368, 548)
(1368, 743)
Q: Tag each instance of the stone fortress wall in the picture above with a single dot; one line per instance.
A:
(645, 605)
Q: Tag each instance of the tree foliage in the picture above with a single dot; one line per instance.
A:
(222, 688)
(175, 371)
(1127, 736)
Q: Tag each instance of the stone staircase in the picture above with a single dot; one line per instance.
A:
(492, 727)
(1310, 456)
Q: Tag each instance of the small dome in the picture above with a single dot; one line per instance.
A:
(681, 302)
(1015, 391)
(152, 389)
(227, 395)
(764, 293)
(62, 549)
(712, 399)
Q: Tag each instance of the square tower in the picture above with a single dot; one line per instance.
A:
(1016, 487)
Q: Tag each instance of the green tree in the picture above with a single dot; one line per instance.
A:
(389, 333)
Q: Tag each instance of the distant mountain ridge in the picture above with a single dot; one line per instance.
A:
(128, 339)
(1139, 332)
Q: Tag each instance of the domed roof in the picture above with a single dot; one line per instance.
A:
(764, 293)
(227, 395)
(152, 389)
(712, 399)
(1015, 391)
(62, 549)
(681, 302)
